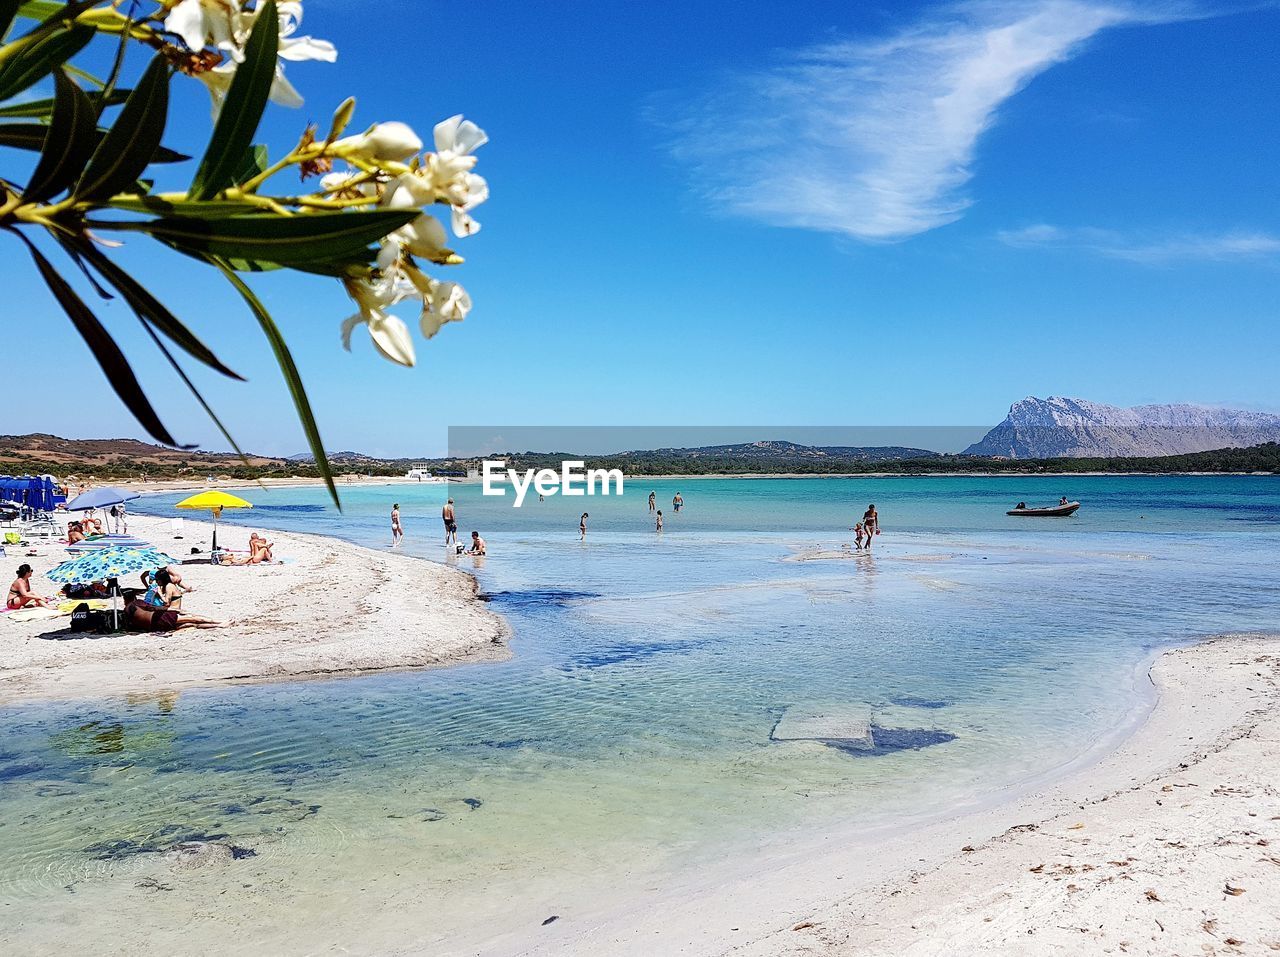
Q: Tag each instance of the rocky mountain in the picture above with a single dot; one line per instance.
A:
(1059, 427)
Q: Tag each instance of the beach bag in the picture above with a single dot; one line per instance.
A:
(80, 618)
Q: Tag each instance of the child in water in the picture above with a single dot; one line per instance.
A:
(858, 534)
(659, 525)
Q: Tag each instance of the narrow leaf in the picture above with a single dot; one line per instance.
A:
(242, 110)
(44, 108)
(148, 308)
(108, 355)
(127, 148)
(30, 136)
(68, 143)
(39, 9)
(253, 162)
(8, 11)
(285, 360)
(39, 57)
(287, 240)
(191, 387)
(187, 208)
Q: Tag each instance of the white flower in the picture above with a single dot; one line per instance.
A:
(456, 136)
(223, 25)
(446, 302)
(203, 23)
(394, 142)
(298, 49)
(389, 334)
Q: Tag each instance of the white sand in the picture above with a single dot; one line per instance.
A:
(1137, 854)
(330, 609)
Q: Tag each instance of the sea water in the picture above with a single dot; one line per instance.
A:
(630, 737)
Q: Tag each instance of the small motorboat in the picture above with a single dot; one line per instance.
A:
(1052, 511)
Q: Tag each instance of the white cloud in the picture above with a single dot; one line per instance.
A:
(875, 139)
(1151, 250)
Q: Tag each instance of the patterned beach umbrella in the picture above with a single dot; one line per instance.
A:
(105, 563)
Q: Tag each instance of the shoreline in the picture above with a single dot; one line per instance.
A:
(332, 609)
(1182, 806)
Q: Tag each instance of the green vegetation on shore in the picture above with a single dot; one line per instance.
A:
(129, 459)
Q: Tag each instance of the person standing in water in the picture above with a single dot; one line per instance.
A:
(658, 525)
(450, 523)
(582, 527)
(678, 502)
(870, 524)
(397, 533)
(653, 501)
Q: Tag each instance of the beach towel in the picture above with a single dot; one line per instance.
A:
(36, 614)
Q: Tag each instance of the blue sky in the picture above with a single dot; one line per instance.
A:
(732, 213)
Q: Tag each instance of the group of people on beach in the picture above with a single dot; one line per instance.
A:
(450, 519)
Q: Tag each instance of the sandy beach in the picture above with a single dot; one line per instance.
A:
(329, 609)
(1170, 844)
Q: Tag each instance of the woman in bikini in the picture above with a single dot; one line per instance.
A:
(20, 595)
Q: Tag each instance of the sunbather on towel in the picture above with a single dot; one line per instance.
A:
(20, 595)
(140, 616)
(75, 533)
(259, 552)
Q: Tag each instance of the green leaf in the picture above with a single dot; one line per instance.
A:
(43, 108)
(242, 110)
(253, 162)
(149, 309)
(68, 144)
(127, 148)
(8, 11)
(40, 9)
(285, 360)
(30, 136)
(208, 209)
(108, 355)
(287, 240)
(38, 57)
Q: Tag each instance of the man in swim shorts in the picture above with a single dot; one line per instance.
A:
(450, 523)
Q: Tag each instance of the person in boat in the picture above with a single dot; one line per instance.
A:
(870, 524)
(1063, 500)
(20, 594)
(1020, 505)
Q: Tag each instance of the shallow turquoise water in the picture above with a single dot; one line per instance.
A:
(632, 728)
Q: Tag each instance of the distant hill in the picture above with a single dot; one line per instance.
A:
(778, 451)
(1059, 427)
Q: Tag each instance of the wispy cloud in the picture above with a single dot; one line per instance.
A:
(875, 139)
(1186, 247)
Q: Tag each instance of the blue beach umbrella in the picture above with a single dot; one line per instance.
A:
(103, 564)
(109, 564)
(103, 497)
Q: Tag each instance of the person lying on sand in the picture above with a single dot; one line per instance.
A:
(477, 544)
(20, 595)
(139, 616)
(75, 533)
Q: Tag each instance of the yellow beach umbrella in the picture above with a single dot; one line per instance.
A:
(213, 501)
